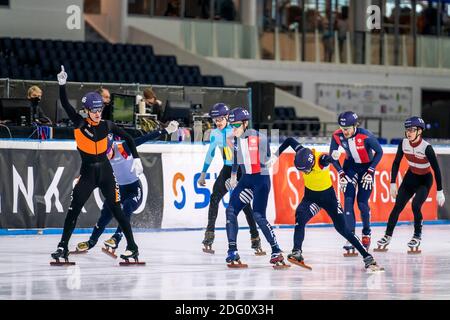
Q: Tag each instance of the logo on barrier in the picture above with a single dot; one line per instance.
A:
(177, 177)
(179, 190)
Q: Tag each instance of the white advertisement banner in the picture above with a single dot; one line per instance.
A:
(186, 203)
(366, 100)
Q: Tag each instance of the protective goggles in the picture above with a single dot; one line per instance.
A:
(219, 119)
(411, 129)
(95, 110)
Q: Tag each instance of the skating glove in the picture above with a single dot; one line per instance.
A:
(440, 198)
(343, 181)
(367, 180)
(137, 167)
(393, 190)
(231, 183)
(335, 155)
(62, 77)
(201, 180)
(172, 127)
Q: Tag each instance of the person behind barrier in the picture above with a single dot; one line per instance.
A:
(152, 104)
(107, 103)
(34, 95)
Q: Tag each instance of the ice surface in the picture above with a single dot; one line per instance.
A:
(178, 269)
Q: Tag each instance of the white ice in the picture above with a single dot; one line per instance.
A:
(178, 269)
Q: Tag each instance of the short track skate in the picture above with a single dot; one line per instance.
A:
(58, 262)
(350, 252)
(127, 259)
(414, 246)
(374, 269)
(237, 265)
(61, 254)
(256, 245)
(382, 248)
(208, 249)
(260, 252)
(110, 252)
(414, 250)
(278, 262)
(300, 264)
(208, 241)
(78, 251)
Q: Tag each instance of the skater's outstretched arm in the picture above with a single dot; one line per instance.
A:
(125, 136)
(396, 163)
(149, 136)
(431, 156)
(289, 142)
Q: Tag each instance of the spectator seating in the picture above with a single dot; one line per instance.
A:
(300, 126)
(37, 59)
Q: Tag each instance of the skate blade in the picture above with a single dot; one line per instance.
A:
(281, 266)
(375, 270)
(300, 264)
(414, 251)
(260, 253)
(109, 253)
(237, 265)
(210, 251)
(380, 249)
(131, 263)
(350, 254)
(78, 252)
(59, 263)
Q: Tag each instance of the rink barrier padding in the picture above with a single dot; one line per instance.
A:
(58, 231)
(36, 180)
(36, 186)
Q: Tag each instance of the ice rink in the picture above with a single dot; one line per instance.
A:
(178, 269)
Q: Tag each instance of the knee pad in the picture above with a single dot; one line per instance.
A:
(246, 196)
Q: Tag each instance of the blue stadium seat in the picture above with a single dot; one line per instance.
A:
(396, 141)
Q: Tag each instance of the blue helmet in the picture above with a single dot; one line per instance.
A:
(415, 122)
(239, 114)
(348, 119)
(92, 100)
(219, 110)
(304, 159)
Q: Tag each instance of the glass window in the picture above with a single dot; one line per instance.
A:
(168, 8)
(228, 10)
(197, 9)
(427, 17)
(139, 7)
(92, 6)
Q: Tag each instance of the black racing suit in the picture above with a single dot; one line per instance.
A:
(95, 171)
